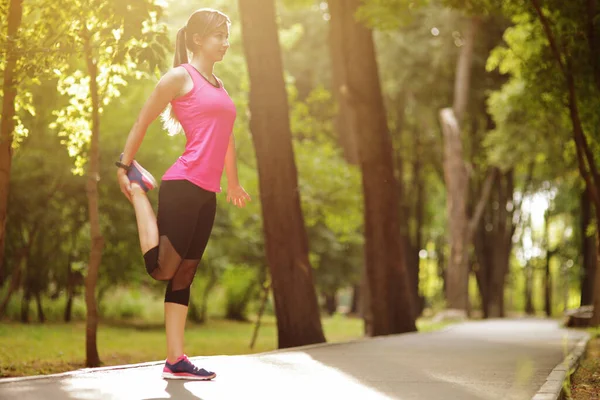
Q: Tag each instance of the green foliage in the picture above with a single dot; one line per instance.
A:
(474, 7)
(305, 53)
(520, 135)
(54, 309)
(240, 284)
(389, 14)
(417, 81)
(54, 214)
(118, 41)
(46, 209)
(300, 4)
(129, 304)
(534, 100)
(330, 192)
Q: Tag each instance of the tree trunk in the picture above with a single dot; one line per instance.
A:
(588, 169)
(25, 304)
(499, 245)
(266, 288)
(330, 303)
(548, 286)
(595, 321)
(529, 307)
(588, 251)
(493, 246)
(193, 312)
(197, 313)
(529, 272)
(209, 286)
(70, 291)
(345, 122)
(408, 209)
(354, 305)
(413, 238)
(548, 274)
(7, 124)
(387, 275)
(593, 43)
(565, 285)
(481, 270)
(69, 306)
(365, 304)
(592, 181)
(495, 306)
(296, 306)
(441, 261)
(15, 281)
(40, 309)
(97, 241)
(456, 177)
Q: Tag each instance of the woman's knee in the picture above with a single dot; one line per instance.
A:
(151, 260)
(177, 296)
(153, 266)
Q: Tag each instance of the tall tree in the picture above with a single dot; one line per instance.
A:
(91, 349)
(412, 99)
(7, 124)
(553, 24)
(116, 40)
(345, 119)
(547, 271)
(493, 240)
(528, 271)
(32, 34)
(584, 20)
(390, 297)
(457, 180)
(296, 307)
(588, 250)
(461, 227)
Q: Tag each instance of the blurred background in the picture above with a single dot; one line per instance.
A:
(532, 248)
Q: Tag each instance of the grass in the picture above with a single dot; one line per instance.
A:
(36, 349)
(585, 382)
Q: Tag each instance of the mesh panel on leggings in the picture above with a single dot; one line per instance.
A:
(185, 274)
(168, 260)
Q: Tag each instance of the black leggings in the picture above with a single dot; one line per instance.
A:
(186, 214)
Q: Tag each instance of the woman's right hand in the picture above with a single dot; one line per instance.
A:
(124, 183)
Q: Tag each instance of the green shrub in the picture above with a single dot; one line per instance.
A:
(240, 283)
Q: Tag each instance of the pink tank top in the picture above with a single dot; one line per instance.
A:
(206, 114)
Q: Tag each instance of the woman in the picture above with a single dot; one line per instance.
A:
(173, 242)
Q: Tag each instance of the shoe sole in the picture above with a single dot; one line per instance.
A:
(145, 174)
(167, 375)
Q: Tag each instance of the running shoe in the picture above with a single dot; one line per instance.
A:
(140, 176)
(184, 369)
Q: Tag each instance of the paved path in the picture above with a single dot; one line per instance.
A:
(497, 359)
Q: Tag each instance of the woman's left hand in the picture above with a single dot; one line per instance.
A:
(237, 195)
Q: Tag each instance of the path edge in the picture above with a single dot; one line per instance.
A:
(553, 388)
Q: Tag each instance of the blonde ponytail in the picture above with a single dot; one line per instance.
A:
(170, 122)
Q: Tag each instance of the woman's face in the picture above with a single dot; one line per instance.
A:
(215, 45)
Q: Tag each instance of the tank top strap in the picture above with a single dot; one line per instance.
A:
(196, 78)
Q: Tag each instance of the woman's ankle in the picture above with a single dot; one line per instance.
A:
(172, 359)
(137, 189)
